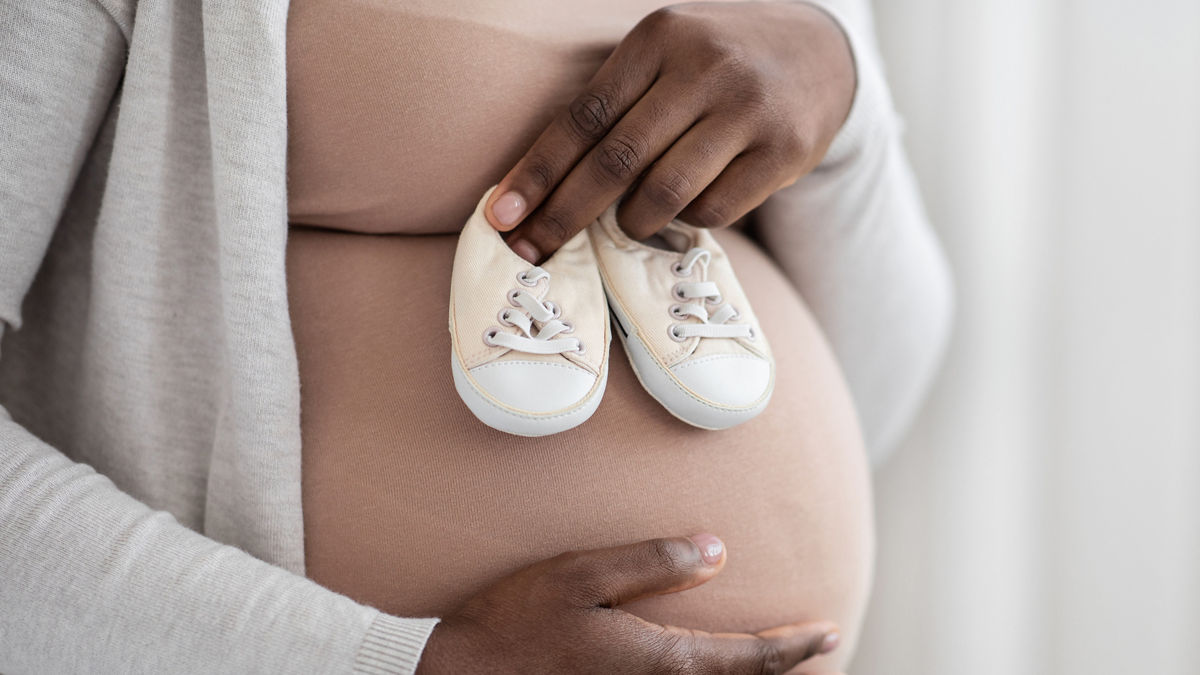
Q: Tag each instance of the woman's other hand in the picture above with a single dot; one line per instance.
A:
(560, 616)
(707, 107)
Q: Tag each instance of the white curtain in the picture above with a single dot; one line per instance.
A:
(1044, 515)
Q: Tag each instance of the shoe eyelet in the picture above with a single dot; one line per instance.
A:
(677, 293)
(672, 331)
(579, 349)
(512, 297)
(676, 312)
(555, 310)
(753, 334)
(677, 270)
(523, 277)
(489, 336)
(570, 327)
(502, 317)
(714, 301)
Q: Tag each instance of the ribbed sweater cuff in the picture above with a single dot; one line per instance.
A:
(392, 646)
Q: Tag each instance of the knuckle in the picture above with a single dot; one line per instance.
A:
(618, 159)
(767, 659)
(709, 213)
(590, 115)
(661, 19)
(793, 145)
(554, 226)
(586, 592)
(576, 578)
(670, 557)
(771, 160)
(746, 88)
(674, 654)
(725, 57)
(755, 88)
(559, 568)
(680, 665)
(557, 573)
(668, 191)
(746, 92)
(540, 174)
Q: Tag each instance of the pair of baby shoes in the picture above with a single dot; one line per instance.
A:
(529, 344)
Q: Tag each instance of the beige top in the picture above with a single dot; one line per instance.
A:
(401, 114)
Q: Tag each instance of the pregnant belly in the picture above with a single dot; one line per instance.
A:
(412, 506)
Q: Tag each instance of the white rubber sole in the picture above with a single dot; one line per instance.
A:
(665, 388)
(518, 422)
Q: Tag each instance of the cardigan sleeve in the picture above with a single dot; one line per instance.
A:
(854, 239)
(92, 580)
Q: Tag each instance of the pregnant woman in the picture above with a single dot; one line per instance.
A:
(229, 439)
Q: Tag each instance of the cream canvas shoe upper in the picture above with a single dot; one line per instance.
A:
(690, 333)
(529, 344)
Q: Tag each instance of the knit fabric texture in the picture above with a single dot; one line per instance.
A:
(150, 503)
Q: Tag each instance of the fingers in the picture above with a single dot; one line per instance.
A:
(608, 170)
(679, 177)
(773, 651)
(614, 576)
(798, 643)
(621, 81)
(742, 186)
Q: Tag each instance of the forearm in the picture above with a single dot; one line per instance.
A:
(93, 580)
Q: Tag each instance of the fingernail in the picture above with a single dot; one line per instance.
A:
(711, 548)
(508, 209)
(831, 642)
(524, 249)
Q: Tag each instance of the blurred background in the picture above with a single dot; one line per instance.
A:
(1044, 515)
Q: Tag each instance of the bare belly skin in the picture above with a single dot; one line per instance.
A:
(411, 505)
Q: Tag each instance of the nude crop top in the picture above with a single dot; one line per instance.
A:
(409, 144)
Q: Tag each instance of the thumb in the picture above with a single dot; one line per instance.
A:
(614, 576)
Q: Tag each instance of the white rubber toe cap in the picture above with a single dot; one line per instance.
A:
(529, 398)
(534, 386)
(727, 380)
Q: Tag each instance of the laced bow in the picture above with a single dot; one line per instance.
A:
(539, 323)
(711, 324)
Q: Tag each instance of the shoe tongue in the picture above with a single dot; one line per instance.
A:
(669, 239)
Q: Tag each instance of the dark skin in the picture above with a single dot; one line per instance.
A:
(561, 616)
(704, 110)
(701, 113)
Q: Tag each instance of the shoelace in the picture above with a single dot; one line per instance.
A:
(712, 324)
(539, 323)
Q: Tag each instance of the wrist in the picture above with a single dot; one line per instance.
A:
(870, 115)
(838, 62)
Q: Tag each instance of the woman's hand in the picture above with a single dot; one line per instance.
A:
(708, 107)
(558, 616)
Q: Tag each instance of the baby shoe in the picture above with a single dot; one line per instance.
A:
(685, 322)
(529, 344)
